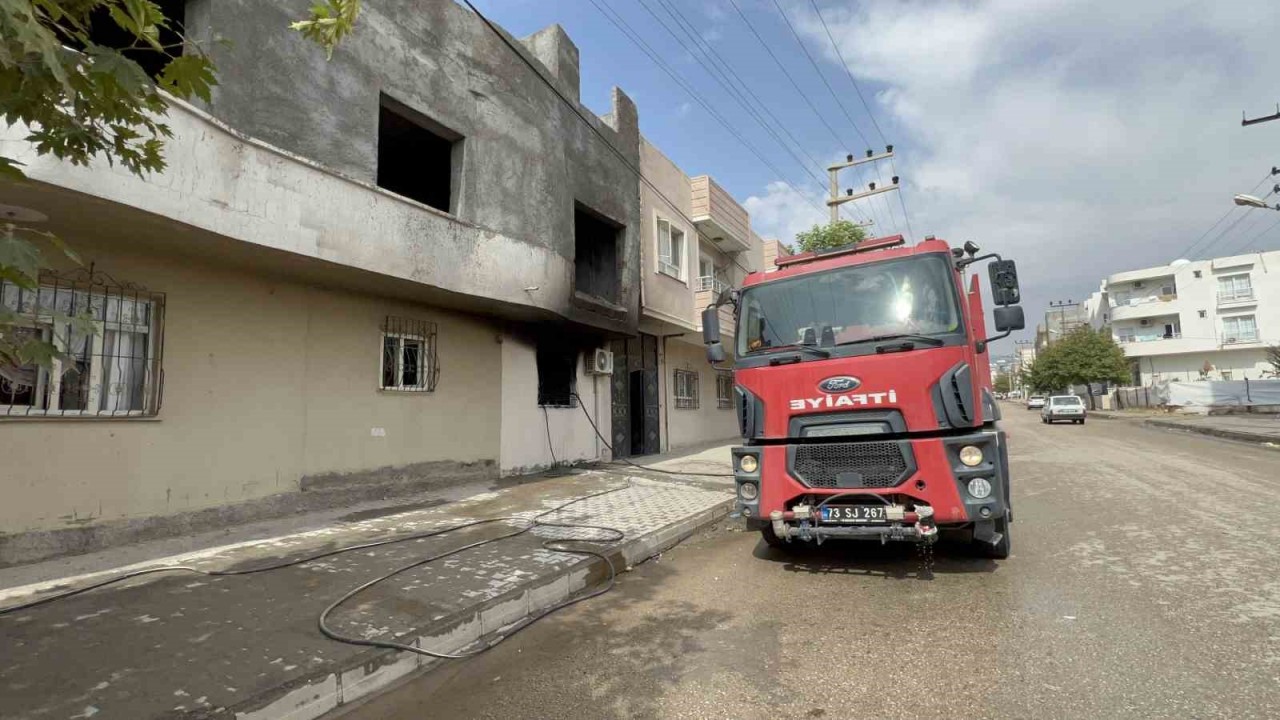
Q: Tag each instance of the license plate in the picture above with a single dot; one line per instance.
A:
(854, 514)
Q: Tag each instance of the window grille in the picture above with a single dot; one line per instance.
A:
(686, 389)
(106, 338)
(557, 375)
(409, 362)
(724, 390)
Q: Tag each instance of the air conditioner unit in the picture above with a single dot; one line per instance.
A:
(602, 362)
(1144, 322)
(1138, 285)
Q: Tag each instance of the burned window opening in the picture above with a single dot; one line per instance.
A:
(557, 375)
(595, 245)
(417, 157)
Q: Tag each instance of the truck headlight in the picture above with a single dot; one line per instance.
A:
(748, 463)
(749, 491)
(980, 488)
(971, 455)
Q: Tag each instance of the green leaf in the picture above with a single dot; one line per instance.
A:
(9, 169)
(20, 260)
(189, 75)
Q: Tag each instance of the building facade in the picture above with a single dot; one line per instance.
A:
(390, 268)
(1190, 320)
(697, 242)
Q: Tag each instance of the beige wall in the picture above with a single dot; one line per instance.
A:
(693, 426)
(266, 381)
(665, 298)
(525, 425)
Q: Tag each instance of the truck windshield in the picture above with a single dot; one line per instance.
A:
(851, 304)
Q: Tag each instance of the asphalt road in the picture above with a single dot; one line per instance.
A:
(1143, 583)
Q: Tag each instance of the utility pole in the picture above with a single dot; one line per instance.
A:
(833, 172)
(1245, 121)
(1062, 318)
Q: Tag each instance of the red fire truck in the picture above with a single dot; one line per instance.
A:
(863, 394)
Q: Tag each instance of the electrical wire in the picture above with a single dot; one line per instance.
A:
(1203, 235)
(624, 461)
(546, 419)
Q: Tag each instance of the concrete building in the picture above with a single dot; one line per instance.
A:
(360, 274)
(696, 243)
(1207, 319)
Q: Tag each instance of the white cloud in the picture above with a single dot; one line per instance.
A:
(1081, 137)
(782, 212)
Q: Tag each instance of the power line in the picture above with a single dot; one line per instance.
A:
(845, 64)
(1203, 235)
(572, 105)
(821, 77)
(821, 117)
(723, 80)
(626, 30)
(865, 106)
(1254, 242)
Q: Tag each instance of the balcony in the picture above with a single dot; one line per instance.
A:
(1133, 306)
(1147, 337)
(704, 297)
(1236, 299)
(714, 285)
(718, 217)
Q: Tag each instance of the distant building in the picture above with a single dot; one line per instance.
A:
(1207, 319)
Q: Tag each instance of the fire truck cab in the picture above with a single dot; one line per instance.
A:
(863, 395)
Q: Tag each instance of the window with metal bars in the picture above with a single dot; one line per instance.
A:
(686, 389)
(409, 355)
(724, 390)
(85, 345)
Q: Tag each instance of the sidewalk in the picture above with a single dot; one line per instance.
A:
(1263, 429)
(248, 646)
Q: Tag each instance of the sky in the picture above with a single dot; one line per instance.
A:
(1077, 137)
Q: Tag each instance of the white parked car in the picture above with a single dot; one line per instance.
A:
(1063, 407)
(1035, 401)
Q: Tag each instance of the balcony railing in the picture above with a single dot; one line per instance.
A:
(1135, 300)
(713, 284)
(1235, 297)
(667, 267)
(1126, 339)
(1246, 337)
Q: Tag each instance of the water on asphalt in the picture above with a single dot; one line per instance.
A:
(1143, 584)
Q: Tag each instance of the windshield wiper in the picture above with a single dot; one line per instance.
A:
(811, 349)
(925, 339)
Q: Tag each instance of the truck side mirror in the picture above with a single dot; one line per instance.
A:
(711, 325)
(1004, 282)
(715, 353)
(1009, 318)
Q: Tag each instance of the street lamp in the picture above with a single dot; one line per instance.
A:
(1251, 201)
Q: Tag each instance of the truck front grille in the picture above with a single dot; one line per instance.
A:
(851, 465)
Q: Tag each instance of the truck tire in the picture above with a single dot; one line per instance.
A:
(999, 551)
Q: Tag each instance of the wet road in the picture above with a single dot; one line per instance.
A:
(1144, 582)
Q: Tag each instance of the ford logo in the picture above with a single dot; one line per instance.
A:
(839, 384)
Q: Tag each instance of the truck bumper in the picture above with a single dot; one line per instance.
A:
(932, 480)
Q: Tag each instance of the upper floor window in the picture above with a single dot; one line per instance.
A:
(595, 260)
(418, 157)
(671, 249)
(1235, 287)
(103, 339)
(1239, 328)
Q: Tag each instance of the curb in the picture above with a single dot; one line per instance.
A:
(1236, 435)
(367, 673)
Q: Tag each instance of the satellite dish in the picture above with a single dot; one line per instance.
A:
(1180, 262)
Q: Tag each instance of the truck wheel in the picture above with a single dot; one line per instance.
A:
(999, 551)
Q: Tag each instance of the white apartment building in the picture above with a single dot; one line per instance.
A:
(1191, 320)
